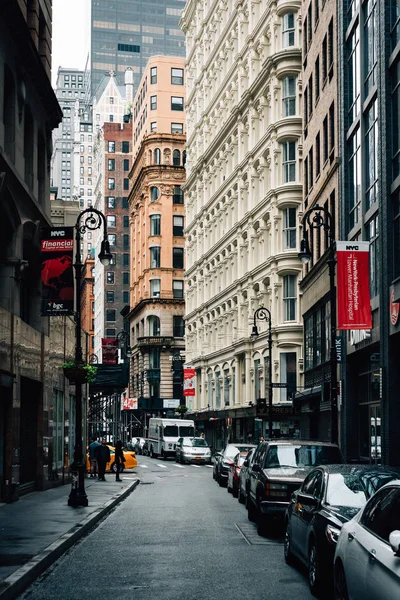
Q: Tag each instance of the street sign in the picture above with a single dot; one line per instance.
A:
(279, 385)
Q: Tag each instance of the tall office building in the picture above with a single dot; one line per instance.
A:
(125, 34)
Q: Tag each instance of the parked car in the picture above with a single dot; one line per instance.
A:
(138, 444)
(223, 460)
(234, 472)
(130, 460)
(189, 449)
(279, 468)
(367, 557)
(243, 476)
(329, 496)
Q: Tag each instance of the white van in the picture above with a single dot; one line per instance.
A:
(164, 433)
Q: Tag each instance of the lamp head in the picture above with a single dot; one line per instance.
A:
(254, 332)
(305, 252)
(105, 255)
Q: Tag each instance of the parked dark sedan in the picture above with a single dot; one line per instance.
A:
(223, 460)
(244, 476)
(279, 468)
(329, 497)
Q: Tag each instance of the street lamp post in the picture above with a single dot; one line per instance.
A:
(263, 314)
(124, 336)
(318, 217)
(91, 219)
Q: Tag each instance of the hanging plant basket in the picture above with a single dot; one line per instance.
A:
(79, 373)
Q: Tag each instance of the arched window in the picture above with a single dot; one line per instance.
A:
(157, 156)
(176, 158)
(184, 157)
(150, 157)
(288, 30)
(154, 193)
(154, 326)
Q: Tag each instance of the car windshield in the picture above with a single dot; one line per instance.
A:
(345, 490)
(186, 431)
(200, 443)
(171, 431)
(292, 455)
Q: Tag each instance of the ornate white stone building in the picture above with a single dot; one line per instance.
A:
(243, 196)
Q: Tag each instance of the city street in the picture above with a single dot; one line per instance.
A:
(177, 536)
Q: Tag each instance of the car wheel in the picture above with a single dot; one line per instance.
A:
(113, 467)
(235, 491)
(340, 583)
(228, 488)
(262, 522)
(214, 475)
(241, 497)
(251, 510)
(151, 453)
(287, 546)
(221, 482)
(313, 567)
(162, 454)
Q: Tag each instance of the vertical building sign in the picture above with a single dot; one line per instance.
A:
(57, 247)
(109, 349)
(189, 381)
(354, 305)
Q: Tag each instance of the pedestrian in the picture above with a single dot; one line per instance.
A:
(262, 438)
(119, 459)
(92, 458)
(102, 453)
(203, 435)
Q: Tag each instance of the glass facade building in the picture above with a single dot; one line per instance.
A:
(125, 33)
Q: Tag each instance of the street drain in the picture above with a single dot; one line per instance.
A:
(146, 482)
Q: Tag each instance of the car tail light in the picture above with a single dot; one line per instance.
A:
(332, 533)
(277, 490)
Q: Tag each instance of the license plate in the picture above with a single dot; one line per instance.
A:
(198, 457)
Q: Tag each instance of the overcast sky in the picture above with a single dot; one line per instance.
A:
(71, 34)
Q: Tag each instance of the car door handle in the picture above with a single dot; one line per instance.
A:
(351, 535)
(372, 554)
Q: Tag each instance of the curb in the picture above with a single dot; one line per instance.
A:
(23, 577)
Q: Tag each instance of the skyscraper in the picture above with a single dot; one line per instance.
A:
(126, 33)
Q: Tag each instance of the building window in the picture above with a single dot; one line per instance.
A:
(155, 225)
(126, 183)
(110, 333)
(326, 139)
(111, 183)
(176, 103)
(395, 76)
(179, 327)
(289, 161)
(110, 277)
(289, 96)
(112, 238)
(178, 225)
(355, 178)
(111, 119)
(155, 288)
(111, 220)
(154, 358)
(177, 128)
(154, 326)
(372, 231)
(177, 288)
(153, 126)
(396, 236)
(125, 260)
(155, 254)
(111, 164)
(288, 375)
(125, 238)
(111, 147)
(178, 195)
(110, 297)
(110, 202)
(177, 258)
(288, 30)
(317, 155)
(154, 193)
(125, 221)
(111, 314)
(177, 76)
(126, 164)
(289, 297)
(153, 75)
(125, 147)
(125, 297)
(125, 278)
(157, 156)
(153, 102)
(371, 27)
(289, 228)
(371, 152)
(124, 202)
(176, 158)
(354, 70)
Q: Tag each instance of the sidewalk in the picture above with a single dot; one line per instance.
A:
(37, 529)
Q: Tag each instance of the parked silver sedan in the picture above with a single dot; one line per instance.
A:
(194, 450)
(367, 557)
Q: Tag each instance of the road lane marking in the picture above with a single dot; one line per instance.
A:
(179, 466)
(143, 466)
(209, 466)
(196, 466)
(162, 466)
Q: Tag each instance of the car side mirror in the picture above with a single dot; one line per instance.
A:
(256, 468)
(394, 541)
(308, 500)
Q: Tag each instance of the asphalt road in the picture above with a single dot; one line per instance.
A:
(178, 536)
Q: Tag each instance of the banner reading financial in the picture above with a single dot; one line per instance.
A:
(109, 348)
(57, 247)
(354, 304)
(189, 381)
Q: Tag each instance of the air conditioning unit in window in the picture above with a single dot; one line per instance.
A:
(156, 294)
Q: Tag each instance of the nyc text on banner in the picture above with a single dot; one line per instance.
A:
(57, 247)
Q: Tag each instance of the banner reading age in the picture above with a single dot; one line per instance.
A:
(109, 348)
(189, 381)
(354, 305)
(57, 246)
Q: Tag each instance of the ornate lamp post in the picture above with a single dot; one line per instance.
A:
(263, 314)
(124, 336)
(318, 217)
(89, 219)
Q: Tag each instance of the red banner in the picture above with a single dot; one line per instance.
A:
(189, 381)
(57, 246)
(109, 348)
(354, 304)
